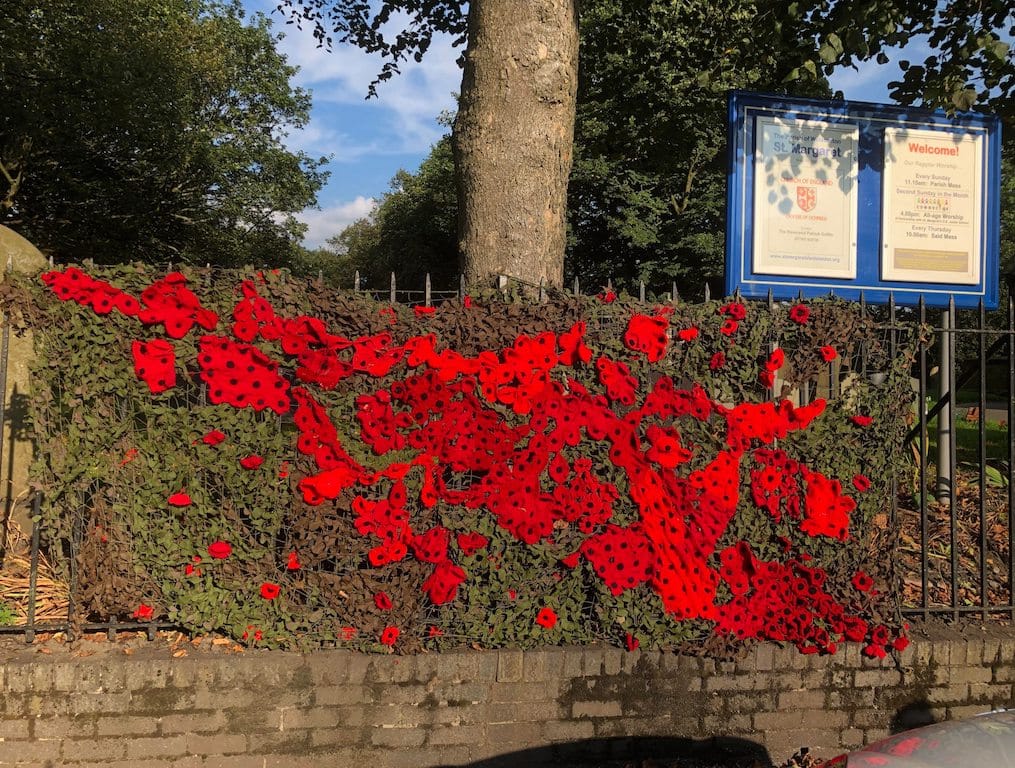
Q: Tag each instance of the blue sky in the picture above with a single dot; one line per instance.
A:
(369, 141)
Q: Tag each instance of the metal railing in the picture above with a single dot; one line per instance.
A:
(953, 511)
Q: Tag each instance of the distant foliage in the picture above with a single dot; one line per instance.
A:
(150, 130)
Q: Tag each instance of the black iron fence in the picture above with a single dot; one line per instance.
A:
(952, 502)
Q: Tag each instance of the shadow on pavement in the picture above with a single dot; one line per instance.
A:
(661, 752)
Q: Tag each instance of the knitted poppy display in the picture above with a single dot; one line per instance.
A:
(602, 461)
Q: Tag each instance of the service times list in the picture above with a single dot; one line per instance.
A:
(931, 216)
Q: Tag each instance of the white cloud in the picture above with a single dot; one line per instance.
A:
(413, 98)
(329, 221)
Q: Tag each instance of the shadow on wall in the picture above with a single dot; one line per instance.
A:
(592, 753)
(914, 715)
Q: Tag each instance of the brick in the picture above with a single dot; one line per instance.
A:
(125, 725)
(193, 722)
(572, 662)
(283, 741)
(524, 692)
(317, 717)
(870, 678)
(156, 700)
(226, 761)
(568, 731)
(426, 668)
(397, 737)
(764, 657)
(454, 668)
(875, 734)
(324, 667)
(511, 712)
(410, 693)
(612, 661)
(462, 693)
(358, 666)
(330, 737)
(801, 700)
(462, 734)
(235, 699)
(216, 744)
(545, 664)
(337, 695)
(948, 695)
(151, 673)
(168, 746)
(782, 744)
(402, 716)
(596, 709)
(333, 757)
(16, 728)
(994, 693)
(253, 720)
(509, 666)
(756, 701)
(414, 758)
(731, 682)
(851, 738)
(512, 733)
(64, 727)
(467, 714)
(94, 749)
(777, 721)
(967, 710)
(972, 675)
(870, 718)
(787, 681)
(724, 725)
(394, 669)
(819, 718)
(633, 727)
(16, 751)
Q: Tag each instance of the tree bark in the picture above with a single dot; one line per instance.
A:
(514, 136)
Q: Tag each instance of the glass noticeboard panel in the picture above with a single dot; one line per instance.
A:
(805, 198)
(931, 206)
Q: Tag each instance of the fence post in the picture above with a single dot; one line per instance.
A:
(355, 281)
(426, 290)
(33, 567)
(392, 287)
(943, 482)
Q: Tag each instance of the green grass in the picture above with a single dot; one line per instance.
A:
(967, 438)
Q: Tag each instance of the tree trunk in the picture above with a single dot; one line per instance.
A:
(514, 135)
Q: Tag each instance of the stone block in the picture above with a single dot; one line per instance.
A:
(94, 749)
(582, 709)
(397, 737)
(165, 746)
(216, 744)
(509, 666)
(568, 731)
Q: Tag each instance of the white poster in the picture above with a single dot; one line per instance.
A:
(931, 205)
(805, 198)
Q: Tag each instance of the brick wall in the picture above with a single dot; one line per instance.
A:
(481, 709)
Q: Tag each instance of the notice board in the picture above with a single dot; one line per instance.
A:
(849, 198)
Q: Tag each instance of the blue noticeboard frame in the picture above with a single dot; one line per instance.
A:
(871, 120)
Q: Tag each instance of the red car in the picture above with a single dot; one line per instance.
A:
(984, 741)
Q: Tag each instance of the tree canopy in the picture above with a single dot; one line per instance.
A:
(646, 198)
(150, 129)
